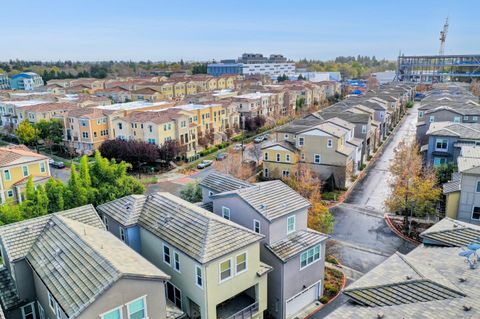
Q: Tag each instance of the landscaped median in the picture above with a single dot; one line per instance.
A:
(396, 225)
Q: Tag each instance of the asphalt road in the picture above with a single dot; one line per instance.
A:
(361, 239)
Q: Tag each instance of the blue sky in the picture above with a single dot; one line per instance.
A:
(204, 30)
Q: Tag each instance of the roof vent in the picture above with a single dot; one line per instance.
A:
(409, 277)
(380, 315)
(263, 206)
(455, 225)
(58, 252)
(149, 196)
(51, 223)
(128, 206)
(467, 307)
(462, 279)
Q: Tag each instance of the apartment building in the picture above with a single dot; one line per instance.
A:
(69, 266)
(4, 82)
(213, 264)
(27, 81)
(86, 129)
(296, 253)
(207, 117)
(44, 111)
(17, 164)
(158, 127)
(330, 150)
(118, 94)
(254, 104)
(9, 110)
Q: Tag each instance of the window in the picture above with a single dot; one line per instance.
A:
(51, 301)
(474, 118)
(113, 314)
(42, 167)
(226, 212)
(83, 122)
(85, 134)
(7, 174)
(290, 224)
(364, 129)
(278, 157)
(176, 261)
(225, 270)
(150, 128)
(420, 114)
(122, 234)
(166, 254)
(310, 256)
(241, 263)
(265, 156)
(265, 172)
(465, 118)
(285, 173)
(287, 158)
(441, 144)
(432, 118)
(174, 294)
(105, 221)
(28, 311)
(137, 309)
(198, 276)
(210, 193)
(478, 187)
(329, 143)
(120, 126)
(456, 119)
(10, 193)
(437, 161)
(151, 141)
(285, 136)
(256, 226)
(316, 158)
(41, 311)
(476, 213)
(301, 141)
(25, 171)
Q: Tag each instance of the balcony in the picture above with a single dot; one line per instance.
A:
(241, 306)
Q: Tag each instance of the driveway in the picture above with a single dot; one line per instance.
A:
(361, 239)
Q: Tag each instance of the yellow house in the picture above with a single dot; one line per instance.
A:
(179, 89)
(167, 90)
(44, 111)
(146, 94)
(207, 117)
(17, 164)
(221, 83)
(279, 159)
(191, 88)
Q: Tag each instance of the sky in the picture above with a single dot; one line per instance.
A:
(157, 30)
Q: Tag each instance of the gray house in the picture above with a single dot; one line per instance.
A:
(213, 264)
(65, 265)
(295, 252)
(445, 140)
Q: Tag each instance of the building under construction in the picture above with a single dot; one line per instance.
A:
(438, 68)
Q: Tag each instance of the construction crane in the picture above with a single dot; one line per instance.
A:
(443, 37)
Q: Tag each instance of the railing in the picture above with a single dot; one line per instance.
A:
(246, 312)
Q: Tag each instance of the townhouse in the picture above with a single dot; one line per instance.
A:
(462, 192)
(69, 266)
(17, 164)
(445, 140)
(9, 110)
(213, 264)
(295, 252)
(44, 111)
(147, 94)
(431, 281)
(118, 94)
(328, 149)
(158, 127)
(207, 117)
(254, 104)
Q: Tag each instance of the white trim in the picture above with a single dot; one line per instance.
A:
(175, 253)
(220, 270)
(144, 297)
(246, 263)
(254, 226)
(319, 158)
(169, 254)
(229, 212)
(111, 310)
(476, 187)
(122, 234)
(294, 224)
(473, 209)
(41, 311)
(314, 260)
(32, 305)
(330, 143)
(301, 292)
(201, 276)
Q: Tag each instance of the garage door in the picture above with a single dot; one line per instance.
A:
(302, 300)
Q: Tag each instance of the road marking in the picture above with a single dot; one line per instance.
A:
(362, 248)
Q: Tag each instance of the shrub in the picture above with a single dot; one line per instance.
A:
(324, 299)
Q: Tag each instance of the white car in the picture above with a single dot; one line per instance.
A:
(238, 147)
(204, 163)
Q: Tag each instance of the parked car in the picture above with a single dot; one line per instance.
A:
(259, 139)
(221, 156)
(58, 164)
(204, 163)
(50, 161)
(238, 147)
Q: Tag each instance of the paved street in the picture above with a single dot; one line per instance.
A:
(361, 238)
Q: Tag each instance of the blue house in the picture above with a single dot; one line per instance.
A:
(445, 140)
(27, 81)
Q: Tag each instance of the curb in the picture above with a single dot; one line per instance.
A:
(344, 283)
(392, 227)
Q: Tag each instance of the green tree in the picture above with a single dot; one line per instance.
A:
(36, 201)
(27, 133)
(191, 192)
(50, 130)
(56, 192)
(85, 171)
(10, 213)
(77, 194)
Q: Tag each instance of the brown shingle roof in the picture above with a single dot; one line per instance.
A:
(20, 153)
(158, 117)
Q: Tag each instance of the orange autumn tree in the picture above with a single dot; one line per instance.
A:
(307, 184)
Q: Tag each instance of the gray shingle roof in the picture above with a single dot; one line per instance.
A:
(295, 243)
(198, 233)
(452, 233)
(9, 298)
(440, 267)
(207, 206)
(125, 210)
(220, 182)
(78, 262)
(460, 130)
(17, 238)
(450, 187)
(272, 199)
